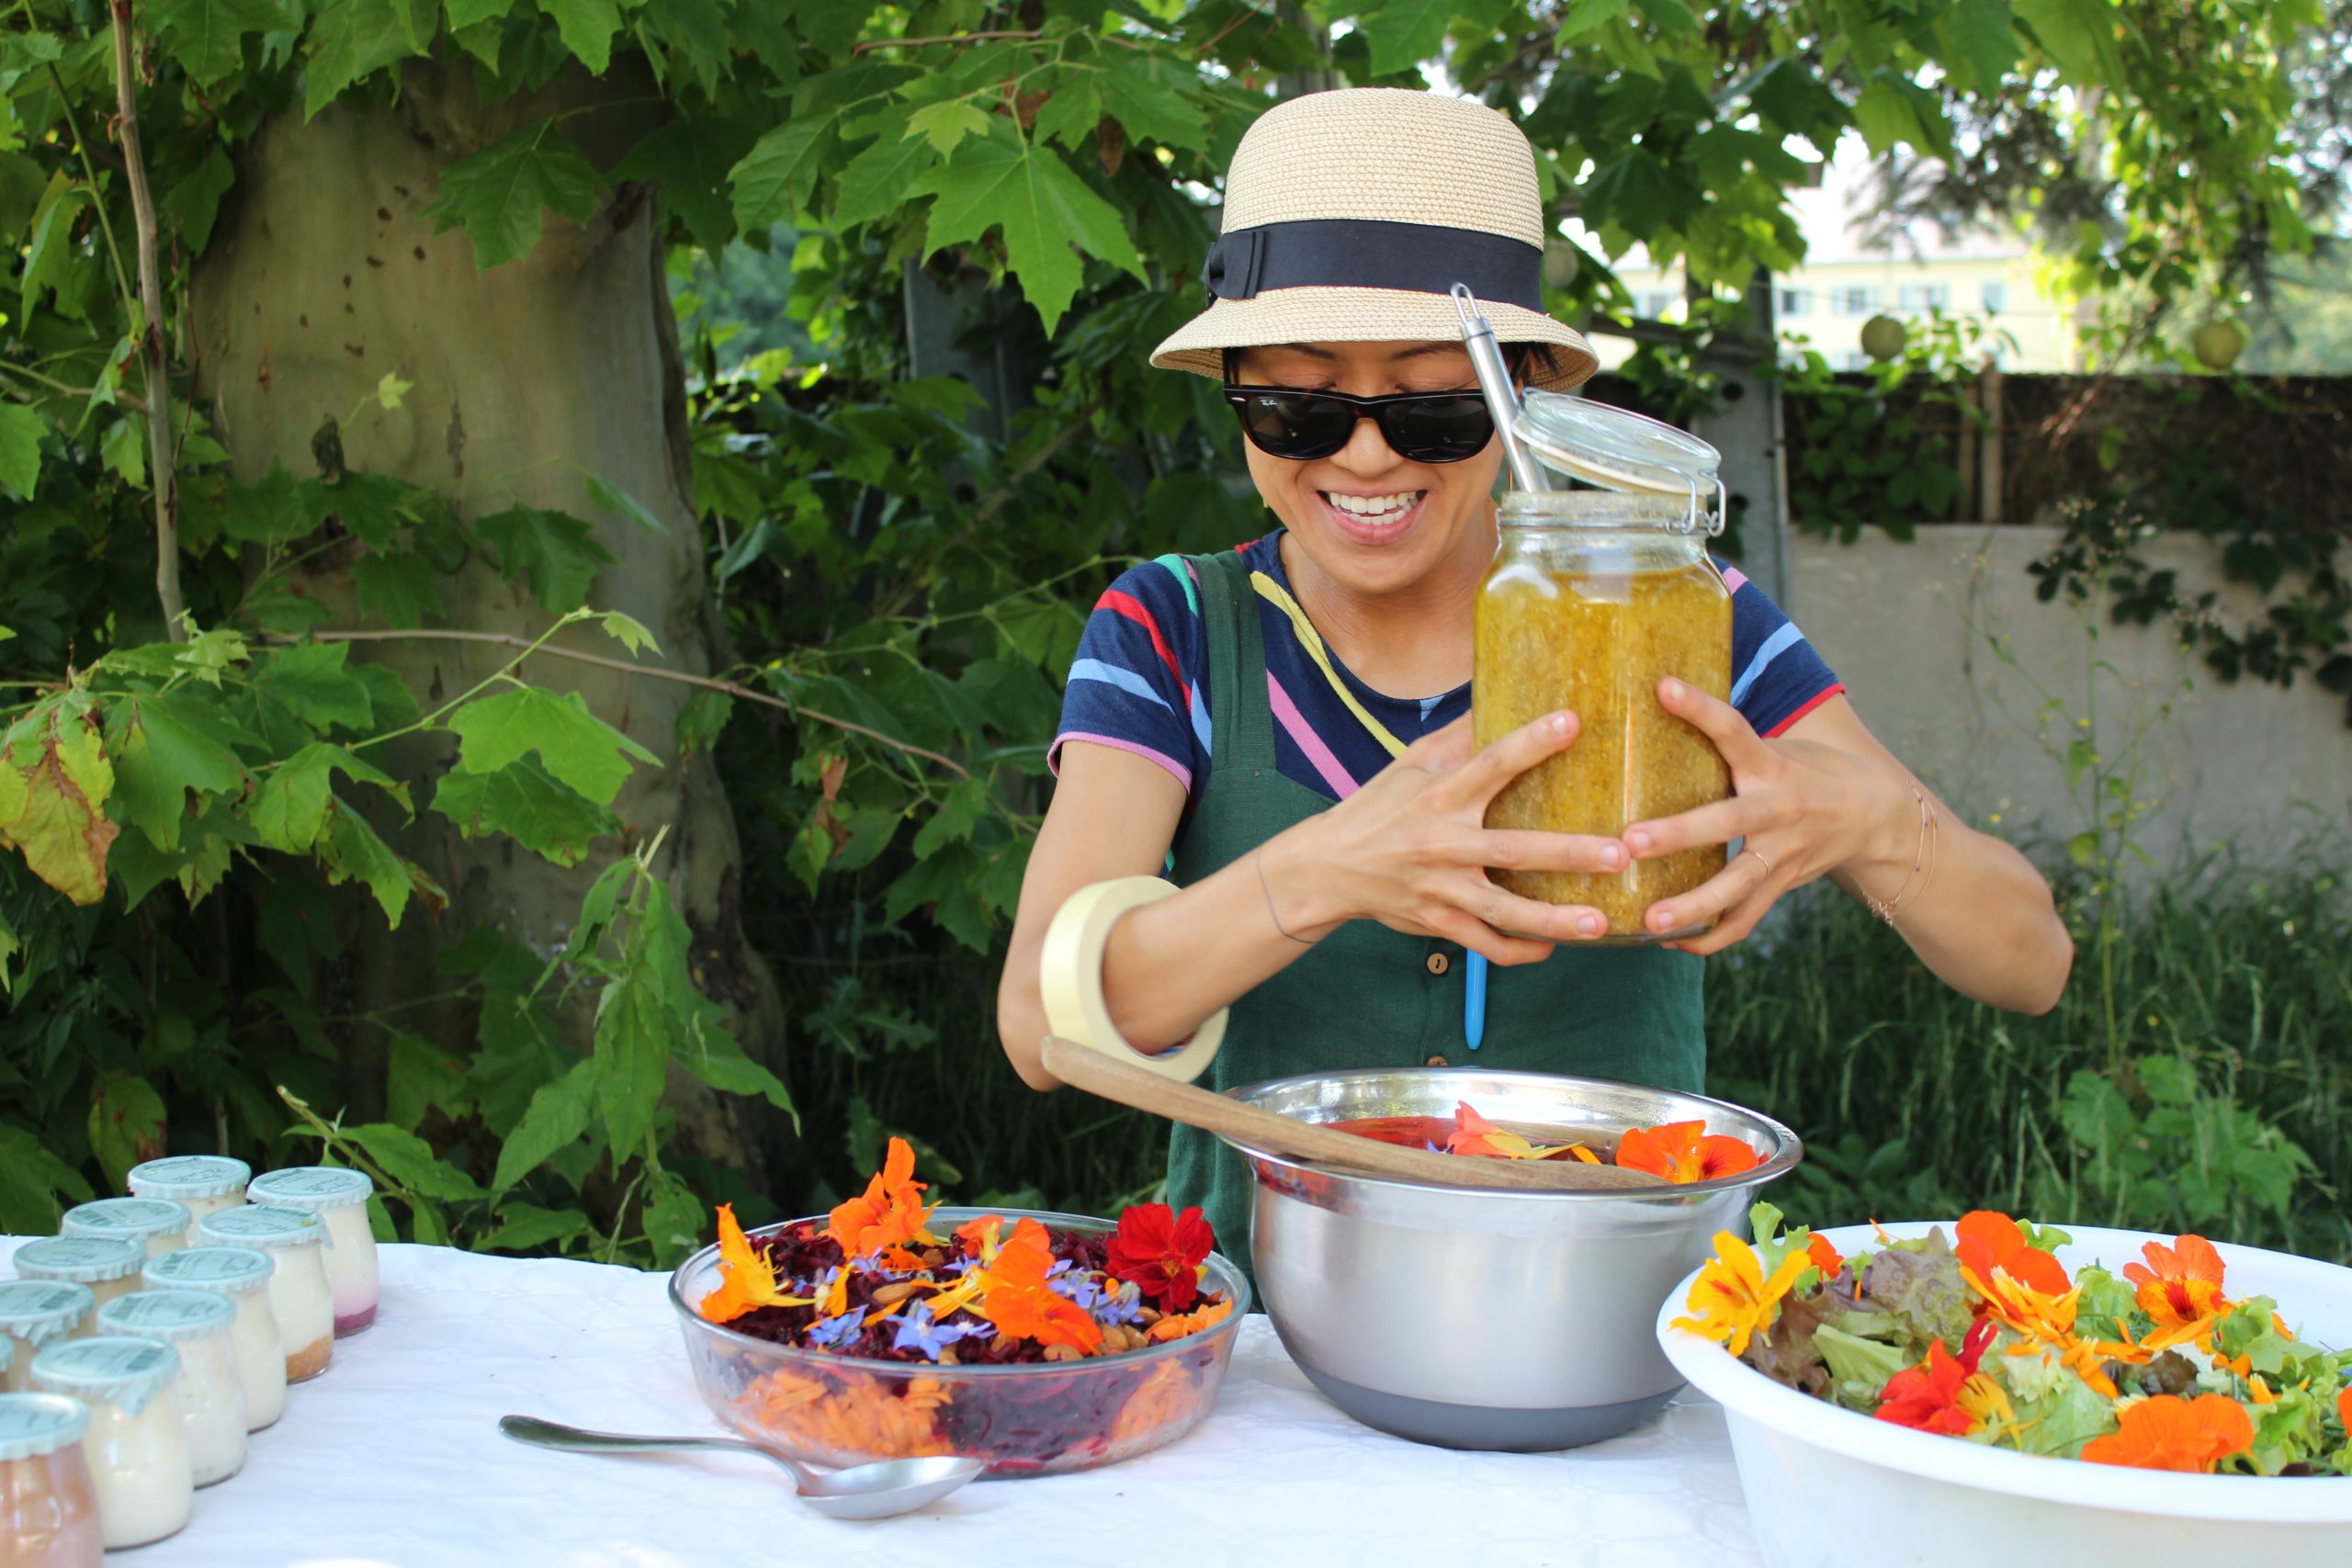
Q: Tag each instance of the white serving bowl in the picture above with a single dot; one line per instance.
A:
(1828, 1484)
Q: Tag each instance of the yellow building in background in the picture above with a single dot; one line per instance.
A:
(1845, 280)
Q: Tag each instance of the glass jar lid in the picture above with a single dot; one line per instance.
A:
(125, 1371)
(312, 1187)
(130, 1219)
(84, 1260)
(33, 1425)
(168, 1315)
(228, 1270)
(190, 1176)
(1619, 449)
(267, 1225)
(37, 1311)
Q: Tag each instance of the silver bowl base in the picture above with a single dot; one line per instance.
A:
(1484, 1427)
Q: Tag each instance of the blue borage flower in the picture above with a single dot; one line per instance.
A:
(835, 1331)
(919, 1331)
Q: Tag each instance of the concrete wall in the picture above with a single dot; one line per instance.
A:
(1910, 628)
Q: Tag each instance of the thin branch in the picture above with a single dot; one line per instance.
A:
(151, 333)
(874, 43)
(733, 688)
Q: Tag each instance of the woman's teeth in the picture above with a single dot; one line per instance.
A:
(1375, 508)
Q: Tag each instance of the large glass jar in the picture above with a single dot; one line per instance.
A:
(299, 1296)
(205, 1183)
(211, 1396)
(137, 1447)
(157, 1225)
(33, 1313)
(1593, 598)
(339, 1196)
(241, 1274)
(107, 1266)
(48, 1511)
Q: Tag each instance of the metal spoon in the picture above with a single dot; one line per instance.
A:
(861, 1492)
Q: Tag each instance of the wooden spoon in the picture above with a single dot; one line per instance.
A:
(1100, 1072)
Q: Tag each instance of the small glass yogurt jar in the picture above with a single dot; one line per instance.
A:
(239, 1275)
(338, 1196)
(211, 1396)
(137, 1447)
(158, 1224)
(205, 1183)
(299, 1296)
(34, 1313)
(106, 1264)
(48, 1511)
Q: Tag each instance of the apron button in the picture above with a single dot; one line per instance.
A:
(1437, 1061)
(1439, 963)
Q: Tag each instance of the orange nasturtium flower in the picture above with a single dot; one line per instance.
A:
(1929, 1397)
(1017, 1299)
(2167, 1432)
(746, 1278)
(1732, 1299)
(2344, 1406)
(2180, 1287)
(1683, 1152)
(2046, 1320)
(1826, 1258)
(1989, 1241)
(1178, 1324)
(1474, 1134)
(889, 1213)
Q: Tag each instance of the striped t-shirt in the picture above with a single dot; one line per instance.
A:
(1140, 683)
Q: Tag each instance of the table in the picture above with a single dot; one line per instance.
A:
(392, 1459)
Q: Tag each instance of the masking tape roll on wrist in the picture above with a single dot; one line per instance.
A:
(1070, 975)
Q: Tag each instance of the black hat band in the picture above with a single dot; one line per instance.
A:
(1374, 252)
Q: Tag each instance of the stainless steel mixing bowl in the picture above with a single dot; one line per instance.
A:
(1489, 1319)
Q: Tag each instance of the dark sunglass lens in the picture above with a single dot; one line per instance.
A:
(1297, 425)
(1438, 430)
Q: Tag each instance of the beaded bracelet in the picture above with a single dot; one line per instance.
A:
(1923, 856)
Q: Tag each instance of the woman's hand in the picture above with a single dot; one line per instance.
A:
(1411, 849)
(1805, 809)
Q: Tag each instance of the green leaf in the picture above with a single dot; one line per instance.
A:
(632, 1049)
(598, 909)
(123, 449)
(410, 1161)
(674, 1219)
(195, 202)
(703, 720)
(38, 1179)
(52, 255)
(689, 160)
(20, 433)
(526, 1227)
(1403, 33)
(288, 805)
(558, 1118)
(55, 781)
(351, 40)
(206, 36)
(717, 1059)
(1043, 208)
(419, 1077)
(573, 744)
(1979, 33)
(629, 632)
(523, 802)
(612, 498)
(310, 681)
(1151, 111)
(2078, 34)
(1895, 110)
(372, 508)
(776, 179)
(946, 123)
(126, 1124)
(873, 184)
(1071, 113)
(500, 193)
(401, 589)
(160, 759)
(351, 852)
(556, 551)
(1591, 16)
(954, 820)
(587, 27)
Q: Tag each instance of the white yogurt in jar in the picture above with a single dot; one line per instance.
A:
(109, 1267)
(339, 1197)
(205, 1183)
(211, 1396)
(157, 1225)
(239, 1275)
(137, 1447)
(34, 1313)
(298, 1287)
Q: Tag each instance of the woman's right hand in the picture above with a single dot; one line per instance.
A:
(1411, 849)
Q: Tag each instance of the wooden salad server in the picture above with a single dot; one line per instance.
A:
(1103, 1073)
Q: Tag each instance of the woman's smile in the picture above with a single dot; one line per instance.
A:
(1376, 518)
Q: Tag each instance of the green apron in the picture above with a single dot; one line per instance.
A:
(1369, 997)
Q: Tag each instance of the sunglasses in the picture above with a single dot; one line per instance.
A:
(1421, 427)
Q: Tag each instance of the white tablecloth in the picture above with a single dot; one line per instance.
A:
(392, 1459)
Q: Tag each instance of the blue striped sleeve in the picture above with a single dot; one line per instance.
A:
(1776, 676)
(1136, 685)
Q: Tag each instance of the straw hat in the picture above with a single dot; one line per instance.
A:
(1349, 214)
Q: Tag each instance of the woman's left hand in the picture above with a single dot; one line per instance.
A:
(1805, 809)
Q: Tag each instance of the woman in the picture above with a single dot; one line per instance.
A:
(1257, 719)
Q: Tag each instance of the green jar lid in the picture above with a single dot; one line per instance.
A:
(124, 1372)
(32, 1425)
(189, 1176)
(168, 1315)
(311, 1187)
(267, 1225)
(37, 1311)
(225, 1271)
(130, 1219)
(83, 1260)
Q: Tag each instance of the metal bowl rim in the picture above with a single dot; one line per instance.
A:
(1784, 1158)
(1221, 1268)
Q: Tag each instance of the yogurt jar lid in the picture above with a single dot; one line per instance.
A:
(312, 1187)
(189, 1176)
(32, 1425)
(133, 1219)
(37, 1311)
(84, 1260)
(169, 1315)
(117, 1368)
(267, 1225)
(226, 1270)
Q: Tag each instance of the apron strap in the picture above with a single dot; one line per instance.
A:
(1241, 721)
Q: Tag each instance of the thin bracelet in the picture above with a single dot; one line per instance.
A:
(1256, 860)
(1923, 856)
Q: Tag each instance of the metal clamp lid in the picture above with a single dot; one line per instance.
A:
(1621, 450)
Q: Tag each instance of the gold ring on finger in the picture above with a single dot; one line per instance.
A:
(1759, 860)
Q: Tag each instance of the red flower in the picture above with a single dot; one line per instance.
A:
(1161, 1252)
(1825, 1257)
(1927, 1397)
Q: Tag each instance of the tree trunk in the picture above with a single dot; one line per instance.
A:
(323, 274)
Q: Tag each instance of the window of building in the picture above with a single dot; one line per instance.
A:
(1996, 297)
(1791, 302)
(1654, 304)
(1924, 296)
(1861, 301)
